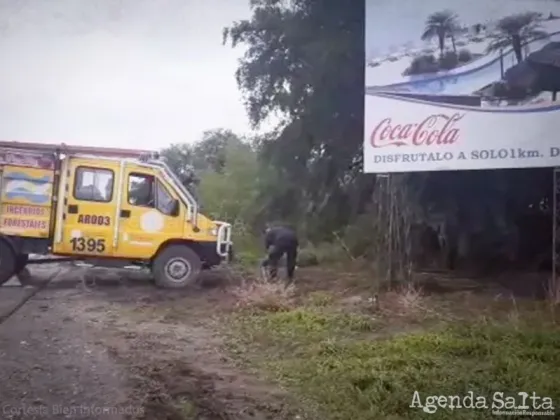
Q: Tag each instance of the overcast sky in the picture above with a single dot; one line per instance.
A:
(128, 73)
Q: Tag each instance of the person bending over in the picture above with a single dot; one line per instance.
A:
(280, 240)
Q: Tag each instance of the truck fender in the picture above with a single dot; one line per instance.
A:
(9, 242)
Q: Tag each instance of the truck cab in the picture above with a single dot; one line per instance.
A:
(110, 206)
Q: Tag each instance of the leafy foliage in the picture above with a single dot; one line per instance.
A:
(464, 55)
(207, 154)
(304, 62)
(514, 31)
(441, 25)
(422, 64)
(449, 60)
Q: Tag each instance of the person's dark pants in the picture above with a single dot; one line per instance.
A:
(274, 256)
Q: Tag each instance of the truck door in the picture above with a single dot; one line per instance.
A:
(89, 208)
(147, 217)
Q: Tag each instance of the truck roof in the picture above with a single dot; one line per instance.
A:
(65, 148)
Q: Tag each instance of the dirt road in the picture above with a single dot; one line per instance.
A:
(123, 349)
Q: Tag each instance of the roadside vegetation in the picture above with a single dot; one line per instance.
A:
(358, 357)
(432, 282)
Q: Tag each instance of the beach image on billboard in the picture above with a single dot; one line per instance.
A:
(455, 85)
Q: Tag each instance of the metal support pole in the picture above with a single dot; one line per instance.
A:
(391, 244)
(553, 285)
(383, 197)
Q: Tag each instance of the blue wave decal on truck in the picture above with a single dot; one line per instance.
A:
(22, 176)
(27, 195)
(32, 191)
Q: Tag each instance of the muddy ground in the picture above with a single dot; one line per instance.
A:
(110, 345)
(119, 349)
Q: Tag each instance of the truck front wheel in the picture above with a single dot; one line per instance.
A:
(7, 262)
(22, 272)
(21, 262)
(26, 278)
(176, 267)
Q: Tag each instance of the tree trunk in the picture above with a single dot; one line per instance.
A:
(441, 39)
(453, 43)
(517, 50)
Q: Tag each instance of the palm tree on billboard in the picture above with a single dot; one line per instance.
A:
(441, 25)
(514, 31)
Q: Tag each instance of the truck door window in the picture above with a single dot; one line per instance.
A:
(146, 191)
(93, 184)
(140, 190)
(164, 200)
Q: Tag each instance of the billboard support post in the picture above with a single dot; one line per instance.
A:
(392, 229)
(420, 119)
(391, 239)
(382, 196)
(553, 288)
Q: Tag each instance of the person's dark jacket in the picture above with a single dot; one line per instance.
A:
(282, 237)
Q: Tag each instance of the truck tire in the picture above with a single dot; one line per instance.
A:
(176, 267)
(22, 272)
(26, 278)
(21, 262)
(7, 262)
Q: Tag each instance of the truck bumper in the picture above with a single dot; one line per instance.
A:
(209, 255)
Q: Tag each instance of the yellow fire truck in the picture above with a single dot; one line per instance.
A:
(114, 207)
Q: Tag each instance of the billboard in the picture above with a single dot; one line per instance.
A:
(449, 85)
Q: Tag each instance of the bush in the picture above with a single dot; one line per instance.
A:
(448, 61)
(361, 236)
(503, 91)
(499, 89)
(307, 258)
(248, 258)
(421, 64)
(322, 253)
(464, 55)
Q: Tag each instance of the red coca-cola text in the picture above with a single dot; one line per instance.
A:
(435, 130)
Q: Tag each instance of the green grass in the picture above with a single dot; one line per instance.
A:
(186, 409)
(341, 371)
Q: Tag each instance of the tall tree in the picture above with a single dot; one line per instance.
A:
(188, 161)
(441, 25)
(305, 61)
(179, 157)
(514, 31)
(210, 152)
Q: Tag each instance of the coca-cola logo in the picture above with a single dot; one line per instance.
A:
(437, 129)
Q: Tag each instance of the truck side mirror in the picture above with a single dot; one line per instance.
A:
(175, 208)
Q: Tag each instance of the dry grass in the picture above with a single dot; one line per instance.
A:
(264, 296)
(553, 291)
(404, 301)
